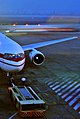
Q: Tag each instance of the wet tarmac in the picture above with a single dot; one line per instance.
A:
(57, 81)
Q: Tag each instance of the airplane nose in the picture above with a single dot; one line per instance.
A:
(12, 67)
(17, 69)
(19, 66)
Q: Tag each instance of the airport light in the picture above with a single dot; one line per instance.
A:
(7, 31)
(26, 24)
(38, 24)
(14, 24)
(23, 80)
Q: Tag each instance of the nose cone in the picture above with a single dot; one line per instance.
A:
(10, 68)
(17, 69)
(13, 66)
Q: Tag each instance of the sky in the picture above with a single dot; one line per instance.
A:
(41, 7)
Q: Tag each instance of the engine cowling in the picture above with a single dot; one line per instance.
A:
(36, 57)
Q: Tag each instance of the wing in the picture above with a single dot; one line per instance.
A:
(42, 44)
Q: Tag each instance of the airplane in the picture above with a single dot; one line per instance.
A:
(12, 55)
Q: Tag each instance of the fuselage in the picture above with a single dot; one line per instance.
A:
(12, 58)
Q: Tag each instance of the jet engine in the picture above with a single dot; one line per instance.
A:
(36, 57)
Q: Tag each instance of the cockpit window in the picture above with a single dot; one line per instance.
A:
(21, 55)
(11, 56)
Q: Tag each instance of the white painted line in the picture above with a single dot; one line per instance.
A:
(68, 88)
(60, 86)
(59, 89)
(72, 95)
(76, 106)
(54, 84)
(64, 87)
(55, 87)
(71, 90)
(12, 116)
(50, 83)
(74, 100)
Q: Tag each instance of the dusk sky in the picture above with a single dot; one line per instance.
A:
(65, 7)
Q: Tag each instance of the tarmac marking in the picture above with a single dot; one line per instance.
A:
(62, 87)
(71, 96)
(66, 89)
(13, 115)
(69, 91)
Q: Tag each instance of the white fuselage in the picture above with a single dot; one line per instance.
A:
(12, 57)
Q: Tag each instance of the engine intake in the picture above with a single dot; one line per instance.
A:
(36, 57)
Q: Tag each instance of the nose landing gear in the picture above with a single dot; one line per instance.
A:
(11, 79)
